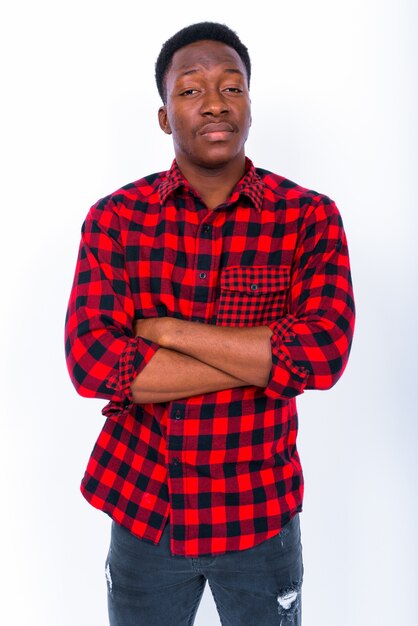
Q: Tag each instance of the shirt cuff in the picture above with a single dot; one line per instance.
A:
(287, 379)
(134, 358)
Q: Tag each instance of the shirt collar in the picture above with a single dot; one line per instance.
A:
(250, 185)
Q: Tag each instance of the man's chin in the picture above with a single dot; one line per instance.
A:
(217, 159)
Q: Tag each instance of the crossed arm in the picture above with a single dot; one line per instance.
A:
(199, 358)
(307, 348)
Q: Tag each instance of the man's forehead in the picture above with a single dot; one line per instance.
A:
(205, 53)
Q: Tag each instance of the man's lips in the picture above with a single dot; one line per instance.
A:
(216, 131)
(215, 127)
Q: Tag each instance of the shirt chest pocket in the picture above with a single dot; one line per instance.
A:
(252, 296)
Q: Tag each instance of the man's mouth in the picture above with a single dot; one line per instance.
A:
(216, 131)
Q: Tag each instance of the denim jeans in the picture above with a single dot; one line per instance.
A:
(261, 586)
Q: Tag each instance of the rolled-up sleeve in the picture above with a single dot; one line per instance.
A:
(310, 345)
(103, 356)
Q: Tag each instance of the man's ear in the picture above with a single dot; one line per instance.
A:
(163, 120)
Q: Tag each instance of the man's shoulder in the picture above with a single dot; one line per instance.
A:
(144, 190)
(279, 187)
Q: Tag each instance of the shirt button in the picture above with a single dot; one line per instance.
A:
(176, 461)
(254, 287)
(202, 275)
(206, 228)
(177, 414)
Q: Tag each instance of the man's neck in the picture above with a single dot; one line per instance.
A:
(213, 185)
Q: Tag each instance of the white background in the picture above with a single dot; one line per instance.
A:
(334, 98)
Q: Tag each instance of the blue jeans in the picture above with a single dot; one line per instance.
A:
(261, 586)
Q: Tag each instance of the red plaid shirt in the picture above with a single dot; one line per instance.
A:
(222, 466)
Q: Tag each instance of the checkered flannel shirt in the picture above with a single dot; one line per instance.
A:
(222, 467)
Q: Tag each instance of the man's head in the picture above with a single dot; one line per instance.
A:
(203, 73)
(210, 31)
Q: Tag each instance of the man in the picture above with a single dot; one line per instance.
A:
(205, 299)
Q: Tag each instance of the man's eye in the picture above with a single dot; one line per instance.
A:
(234, 89)
(188, 92)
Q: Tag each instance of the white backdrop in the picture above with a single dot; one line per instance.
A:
(334, 98)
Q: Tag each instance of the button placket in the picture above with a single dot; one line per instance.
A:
(202, 308)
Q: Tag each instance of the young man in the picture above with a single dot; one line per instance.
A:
(205, 299)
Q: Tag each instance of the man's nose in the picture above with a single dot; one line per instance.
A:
(214, 103)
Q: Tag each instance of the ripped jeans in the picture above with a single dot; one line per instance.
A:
(261, 586)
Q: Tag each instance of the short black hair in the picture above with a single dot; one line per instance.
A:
(190, 34)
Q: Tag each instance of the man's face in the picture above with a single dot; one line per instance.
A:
(208, 109)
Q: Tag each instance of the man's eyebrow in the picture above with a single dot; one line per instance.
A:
(234, 70)
(228, 70)
(188, 72)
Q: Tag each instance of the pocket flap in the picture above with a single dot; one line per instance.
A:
(255, 280)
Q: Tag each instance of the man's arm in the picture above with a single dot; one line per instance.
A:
(311, 344)
(170, 375)
(103, 356)
(243, 353)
